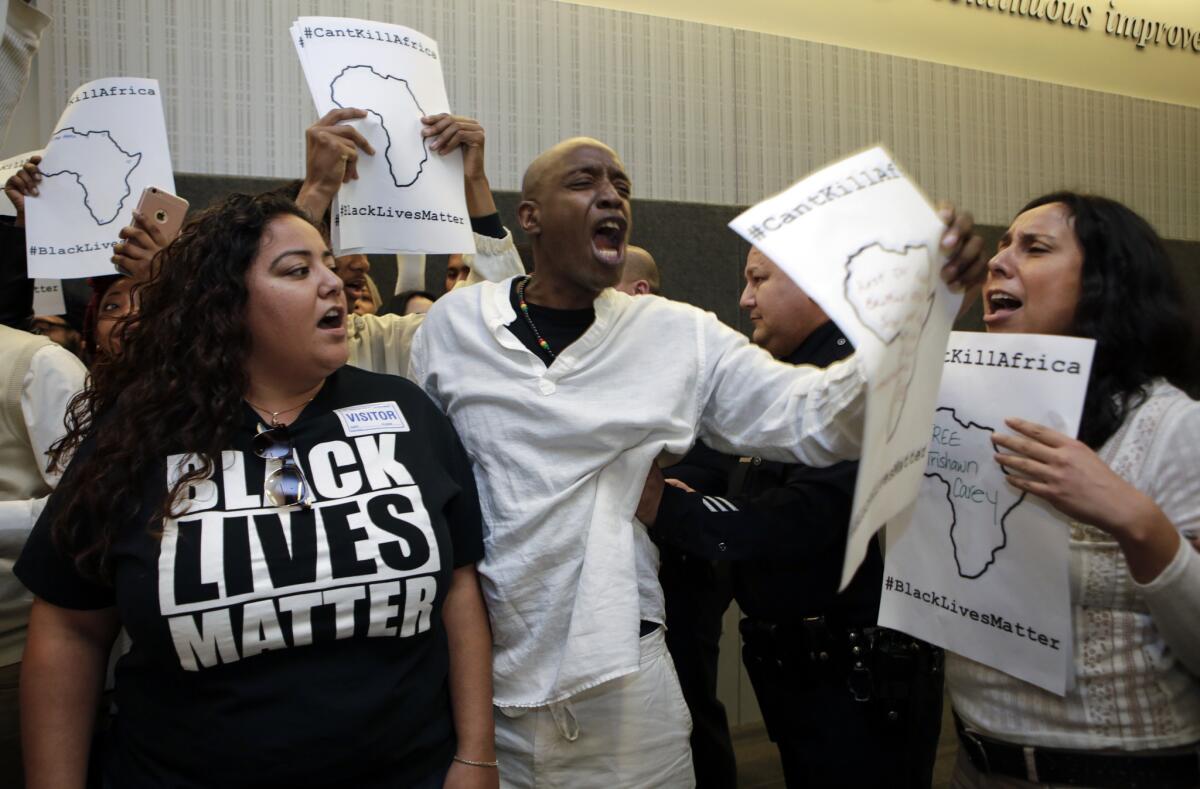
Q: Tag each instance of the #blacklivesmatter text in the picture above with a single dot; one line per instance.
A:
(387, 212)
(996, 621)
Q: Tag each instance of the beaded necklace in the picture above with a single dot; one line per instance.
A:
(541, 341)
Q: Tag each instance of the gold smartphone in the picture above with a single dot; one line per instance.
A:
(163, 209)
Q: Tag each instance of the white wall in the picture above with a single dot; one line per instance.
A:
(699, 112)
(1098, 48)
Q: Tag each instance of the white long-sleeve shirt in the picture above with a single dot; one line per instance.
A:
(22, 34)
(381, 343)
(1136, 646)
(53, 378)
(561, 456)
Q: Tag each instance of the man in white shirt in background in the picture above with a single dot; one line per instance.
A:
(380, 343)
(39, 379)
(566, 393)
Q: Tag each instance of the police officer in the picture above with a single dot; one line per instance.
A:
(846, 702)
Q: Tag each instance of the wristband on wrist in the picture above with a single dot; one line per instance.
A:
(474, 763)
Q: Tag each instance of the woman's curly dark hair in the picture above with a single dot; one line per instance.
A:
(175, 386)
(1131, 303)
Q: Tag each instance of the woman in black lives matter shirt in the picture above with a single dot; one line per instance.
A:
(289, 542)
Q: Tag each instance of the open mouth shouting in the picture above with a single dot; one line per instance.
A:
(608, 240)
(999, 306)
(334, 319)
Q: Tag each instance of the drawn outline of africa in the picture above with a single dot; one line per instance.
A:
(891, 316)
(350, 89)
(74, 152)
(976, 493)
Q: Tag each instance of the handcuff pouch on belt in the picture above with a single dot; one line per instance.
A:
(880, 667)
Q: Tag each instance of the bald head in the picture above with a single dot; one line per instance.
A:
(535, 174)
(641, 273)
(575, 210)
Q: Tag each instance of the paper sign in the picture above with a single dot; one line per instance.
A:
(48, 297)
(407, 198)
(47, 293)
(978, 566)
(410, 273)
(109, 145)
(8, 168)
(862, 241)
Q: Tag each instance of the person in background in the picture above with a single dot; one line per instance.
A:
(847, 703)
(458, 268)
(113, 297)
(16, 287)
(640, 276)
(367, 301)
(58, 329)
(413, 301)
(113, 303)
(354, 271)
(39, 380)
(381, 343)
(347, 590)
(1086, 266)
(352, 268)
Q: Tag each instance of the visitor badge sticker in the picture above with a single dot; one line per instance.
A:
(861, 239)
(109, 145)
(408, 198)
(977, 566)
(362, 420)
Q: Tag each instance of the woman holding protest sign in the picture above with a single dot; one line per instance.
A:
(113, 297)
(1087, 266)
(290, 543)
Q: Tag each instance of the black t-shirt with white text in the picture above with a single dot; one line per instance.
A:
(289, 646)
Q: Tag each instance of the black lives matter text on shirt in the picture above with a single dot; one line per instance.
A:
(297, 576)
(290, 645)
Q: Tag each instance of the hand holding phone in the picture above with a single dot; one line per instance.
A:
(156, 221)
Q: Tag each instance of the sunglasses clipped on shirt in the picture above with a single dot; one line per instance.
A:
(286, 485)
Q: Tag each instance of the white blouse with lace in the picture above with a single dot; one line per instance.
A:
(1137, 646)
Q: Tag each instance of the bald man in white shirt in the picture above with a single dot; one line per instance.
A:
(566, 393)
